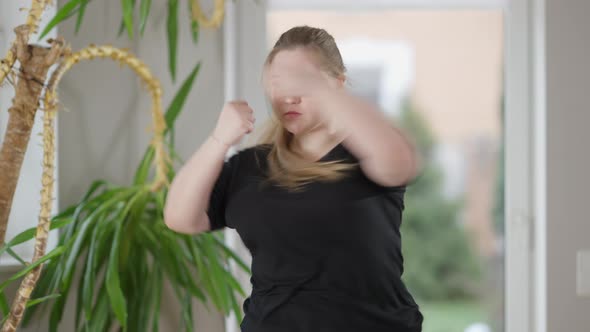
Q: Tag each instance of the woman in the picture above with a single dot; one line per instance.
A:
(318, 202)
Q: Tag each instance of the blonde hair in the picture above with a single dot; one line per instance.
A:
(286, 168)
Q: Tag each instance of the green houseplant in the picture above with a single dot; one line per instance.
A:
(117, 233)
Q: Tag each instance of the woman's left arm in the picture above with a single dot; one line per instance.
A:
(386, 155)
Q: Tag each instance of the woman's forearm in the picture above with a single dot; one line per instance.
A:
(189, 192)
(386, 154)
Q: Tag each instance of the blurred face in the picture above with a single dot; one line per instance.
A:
(297, 113)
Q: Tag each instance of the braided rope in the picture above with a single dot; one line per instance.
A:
(153, 85)
(216, 18)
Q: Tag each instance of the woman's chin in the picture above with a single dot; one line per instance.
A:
(292, 128)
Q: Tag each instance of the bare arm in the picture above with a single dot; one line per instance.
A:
(188, 196)
(386, 154)
(185, 210)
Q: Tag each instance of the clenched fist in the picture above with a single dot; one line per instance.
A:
(236, 120)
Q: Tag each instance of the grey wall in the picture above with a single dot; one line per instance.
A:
(568, 159)
(105, 134)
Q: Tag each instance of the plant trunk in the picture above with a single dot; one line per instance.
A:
(34, 64)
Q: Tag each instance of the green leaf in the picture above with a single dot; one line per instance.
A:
(202, 271)
(195, 30)
(56, 313)
(121, 28)
(232, 282)
(127, 7)
(187, 312)
(40, 290)
(42, 299)
(177, 103)
(116, 297)
(171, 137)
(216, 270)
(103, 241)
(171, 114)
(78, 306)
(142, 171)
(90, 270)
(81, 11)
(55, 252)
(144, 12)
(177, 269)
(122, 24)
(205, 270)
(136, 209)
(176, 157)
(16, 256)
(235, 306)
(172, 28)
(109, 199)
(67, 10)
(232, 254)
(101, 313)
(106, 203)
(94, 187)
(68, 212)
(157, 296)
(79, 242)
(169, 255)
(4, 306)
(139, 290)
(194, 23)
(86, 204)
(28, 234)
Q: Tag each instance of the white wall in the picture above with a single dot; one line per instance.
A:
(568, 159)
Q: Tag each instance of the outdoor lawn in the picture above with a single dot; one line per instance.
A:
(451, 316)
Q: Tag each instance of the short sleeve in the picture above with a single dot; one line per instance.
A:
(219, 194)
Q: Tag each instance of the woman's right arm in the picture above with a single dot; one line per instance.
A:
(185, 210)
(188, 195)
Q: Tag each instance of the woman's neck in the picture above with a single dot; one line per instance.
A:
(313, 146)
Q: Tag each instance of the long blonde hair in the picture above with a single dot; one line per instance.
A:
(286, 168)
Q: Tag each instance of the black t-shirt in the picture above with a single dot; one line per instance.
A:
(327, 259)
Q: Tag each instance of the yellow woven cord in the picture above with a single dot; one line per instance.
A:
(161, 158)
(29, 281)
(204, 21)
(37, 8)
